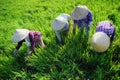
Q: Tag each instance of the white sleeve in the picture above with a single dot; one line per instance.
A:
(58, 35)
(90, 24)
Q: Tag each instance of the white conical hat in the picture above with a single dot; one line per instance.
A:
(100, 42)
(59, 23)
(80, 12)
(19, 35)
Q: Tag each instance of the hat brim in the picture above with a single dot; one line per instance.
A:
(100, 42)
(20, 35)
(58, 24)
(80, 12)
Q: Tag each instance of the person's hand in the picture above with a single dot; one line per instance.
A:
(43, 45)
(28, 54)
(15, 52)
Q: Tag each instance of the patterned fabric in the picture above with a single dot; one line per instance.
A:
(106, 27)
(34, 37)
(86, 20)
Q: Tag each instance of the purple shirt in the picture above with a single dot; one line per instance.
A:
(85, 20)
(33, 41)
(106, 27)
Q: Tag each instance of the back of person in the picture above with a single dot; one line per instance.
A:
(82, 18)
(106, 27)
(61, 23)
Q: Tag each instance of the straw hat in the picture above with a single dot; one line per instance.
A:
(100, 42)
(59, 23)
(19, 35)
(65, 16)
(80, 12)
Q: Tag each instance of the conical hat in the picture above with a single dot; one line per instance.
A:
(80, 12)
(59, 23)
(19, 35)
(100, 42)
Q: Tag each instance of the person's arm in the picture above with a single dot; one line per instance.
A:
(69, 18)
(41, 41)
(17, 47)
(89, 17)
(19, 44)
(31, 36)
(58, 36)
(67, 27)
(112, 36)
(90, 24)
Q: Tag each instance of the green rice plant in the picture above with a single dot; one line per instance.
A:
(73, 60)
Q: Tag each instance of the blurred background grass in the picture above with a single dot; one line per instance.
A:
(75, 60)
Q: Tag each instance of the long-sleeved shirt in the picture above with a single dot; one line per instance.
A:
(66, 27)
(86, 20)
(106, 27)
(34, 37)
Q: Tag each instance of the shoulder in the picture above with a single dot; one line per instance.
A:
(37, 33)
(104, 23)
(32, 32)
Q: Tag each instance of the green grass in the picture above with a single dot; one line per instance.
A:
(75, 60)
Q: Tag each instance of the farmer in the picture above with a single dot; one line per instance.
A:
(106, 27)
(82, 17)
(32, 38)
(100, 41)
(61, 23)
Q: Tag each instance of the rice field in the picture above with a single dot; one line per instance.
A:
(73, 60)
